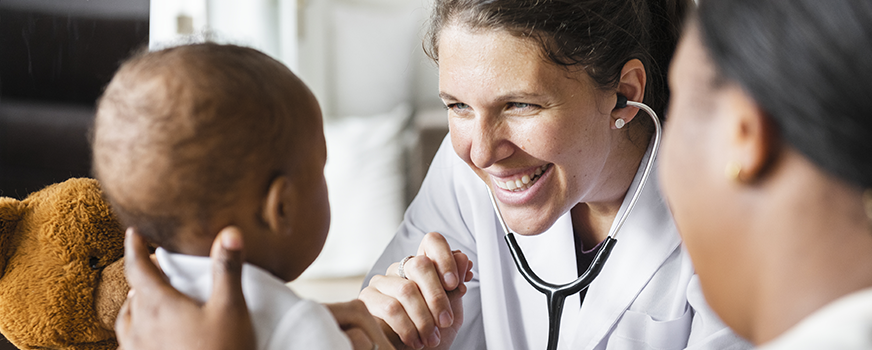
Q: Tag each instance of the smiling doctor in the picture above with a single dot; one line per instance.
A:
(531, 90)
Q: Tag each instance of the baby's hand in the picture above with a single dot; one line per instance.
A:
(156, 316)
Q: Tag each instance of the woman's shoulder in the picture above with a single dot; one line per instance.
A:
(843, 324)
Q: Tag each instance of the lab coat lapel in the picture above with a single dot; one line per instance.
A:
(646, 240)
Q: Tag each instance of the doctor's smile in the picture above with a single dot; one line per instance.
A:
(523, 183)
(512, 190)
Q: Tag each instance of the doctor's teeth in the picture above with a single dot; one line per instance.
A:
(524, 182)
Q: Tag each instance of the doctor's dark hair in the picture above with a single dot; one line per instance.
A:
(806, 63)
(599, 36)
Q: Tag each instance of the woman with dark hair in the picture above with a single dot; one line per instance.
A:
(532, 91)
(778, 93)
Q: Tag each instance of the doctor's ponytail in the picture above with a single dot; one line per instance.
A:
(599, 36)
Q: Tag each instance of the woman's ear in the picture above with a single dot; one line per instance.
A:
(631, 86)
(279, 204)
(752, 134)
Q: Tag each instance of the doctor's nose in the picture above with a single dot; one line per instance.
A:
(489, 142)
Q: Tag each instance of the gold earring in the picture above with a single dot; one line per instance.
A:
(734, 169)
(867, 202)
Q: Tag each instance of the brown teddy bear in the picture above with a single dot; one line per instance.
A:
(61, 268)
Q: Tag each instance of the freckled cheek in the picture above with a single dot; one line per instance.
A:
(541, 141)
(573, 151)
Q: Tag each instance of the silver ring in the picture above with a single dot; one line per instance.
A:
(374, 347)
(400, 270)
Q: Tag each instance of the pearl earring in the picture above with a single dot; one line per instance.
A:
(619, 123)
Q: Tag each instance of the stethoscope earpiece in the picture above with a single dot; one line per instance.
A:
(622, 102)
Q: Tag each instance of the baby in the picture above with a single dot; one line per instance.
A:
(192, 139)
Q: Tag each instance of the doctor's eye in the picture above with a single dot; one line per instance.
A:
(457, 106)
(520, 105)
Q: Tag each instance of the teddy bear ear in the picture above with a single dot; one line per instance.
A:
(11, 211)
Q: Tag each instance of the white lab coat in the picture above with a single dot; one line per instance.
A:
(646, 297)
(845, 324)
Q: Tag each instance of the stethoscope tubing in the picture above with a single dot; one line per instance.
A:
(556, 294)
(658, 134)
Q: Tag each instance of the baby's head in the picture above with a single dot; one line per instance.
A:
(194, 138)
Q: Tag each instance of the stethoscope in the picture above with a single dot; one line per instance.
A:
(556, 293)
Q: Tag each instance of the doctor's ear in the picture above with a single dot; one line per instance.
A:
(280, 203)
(630, 87)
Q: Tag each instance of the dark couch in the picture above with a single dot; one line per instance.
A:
(41, 144)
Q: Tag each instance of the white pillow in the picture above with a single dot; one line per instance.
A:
(366, 185)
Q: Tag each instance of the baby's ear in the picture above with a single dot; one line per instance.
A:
(277, 206)
(11, 211)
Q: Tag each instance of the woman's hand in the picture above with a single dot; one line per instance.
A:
(156, 316)
(425, 308)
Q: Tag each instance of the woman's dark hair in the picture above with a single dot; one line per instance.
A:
(598, 35)
(807, 64)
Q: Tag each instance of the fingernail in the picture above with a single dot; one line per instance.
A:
(418, 344)
(445, 319)
(434, 338)
(231, 240)
(130, 293)
(450, 279)
(129, 232)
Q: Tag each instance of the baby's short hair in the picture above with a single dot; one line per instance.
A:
(185, 132)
